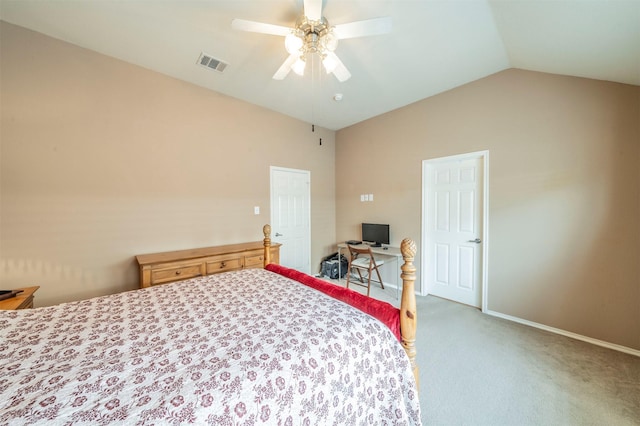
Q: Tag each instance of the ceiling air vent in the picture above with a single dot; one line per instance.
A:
(211, 62)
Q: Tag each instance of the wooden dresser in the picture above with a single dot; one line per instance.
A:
(162, 268)
(22, 300)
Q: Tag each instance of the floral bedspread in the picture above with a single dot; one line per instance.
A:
(240, 348)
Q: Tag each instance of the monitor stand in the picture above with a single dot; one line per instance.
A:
(376, 245)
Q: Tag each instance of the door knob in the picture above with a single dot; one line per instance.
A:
(278, 234)
(477, 241)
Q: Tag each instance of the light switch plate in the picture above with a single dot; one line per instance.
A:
(256, 210)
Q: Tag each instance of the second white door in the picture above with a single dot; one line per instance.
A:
(454, 229)
(290, 216)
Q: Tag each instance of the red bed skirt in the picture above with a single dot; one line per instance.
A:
(383, 311)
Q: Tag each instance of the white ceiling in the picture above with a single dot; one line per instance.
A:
(434, 45)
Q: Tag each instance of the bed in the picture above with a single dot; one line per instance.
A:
(254, 346)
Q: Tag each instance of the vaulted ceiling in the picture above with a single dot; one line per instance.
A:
(434, 46)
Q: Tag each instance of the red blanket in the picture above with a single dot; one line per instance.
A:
(382, 311)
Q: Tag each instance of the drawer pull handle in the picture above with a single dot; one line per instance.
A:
(178, 272)
(222, 265)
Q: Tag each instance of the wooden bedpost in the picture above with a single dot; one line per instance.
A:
(408, 319)
(266, 230)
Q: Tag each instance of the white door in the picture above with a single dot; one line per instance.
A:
(454, 224)
(290, 216)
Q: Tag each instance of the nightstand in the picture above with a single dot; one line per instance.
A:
(22, 300)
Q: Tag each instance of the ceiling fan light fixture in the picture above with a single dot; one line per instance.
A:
(329, 63)
(313, 35)
(330, 41)
(298, 66)
(292, 43)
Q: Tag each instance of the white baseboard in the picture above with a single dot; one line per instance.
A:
(602, 343)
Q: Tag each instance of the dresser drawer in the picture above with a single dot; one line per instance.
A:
(223, 265)
(161, 276)
(256, 261)
(27, 304)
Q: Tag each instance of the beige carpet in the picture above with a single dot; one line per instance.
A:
(476, 369)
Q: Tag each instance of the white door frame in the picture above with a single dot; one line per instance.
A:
(307, 173)
(484, 156)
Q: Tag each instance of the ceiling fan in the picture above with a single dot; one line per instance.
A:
(312, 34)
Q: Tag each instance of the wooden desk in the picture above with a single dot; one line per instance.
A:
(22, 300)
(386, 253)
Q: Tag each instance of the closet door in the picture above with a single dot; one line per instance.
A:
(454, 197)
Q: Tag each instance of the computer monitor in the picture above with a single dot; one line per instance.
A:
(375, 233)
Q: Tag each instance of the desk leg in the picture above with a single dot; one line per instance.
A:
(339, 263)
(390, 260)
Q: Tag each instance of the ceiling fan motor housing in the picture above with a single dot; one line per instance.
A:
(317, 35)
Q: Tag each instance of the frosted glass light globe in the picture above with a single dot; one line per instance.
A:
(292, 43)
(298, 66)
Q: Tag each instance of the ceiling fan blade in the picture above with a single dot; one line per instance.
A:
(284, 69)
(313, 9)
(368, 27)
(259, 27)
(340, 71)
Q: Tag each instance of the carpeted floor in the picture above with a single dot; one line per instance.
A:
(476, 369)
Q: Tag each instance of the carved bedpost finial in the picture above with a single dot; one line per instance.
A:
(266, 230)
(408, 318)
(408, 249)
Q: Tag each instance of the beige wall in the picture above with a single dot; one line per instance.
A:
(564, 191)
(102, 160)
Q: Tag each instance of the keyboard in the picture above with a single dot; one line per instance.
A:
(353, 242)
